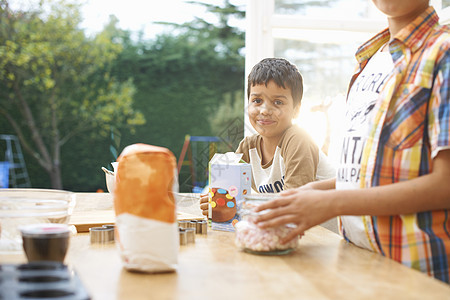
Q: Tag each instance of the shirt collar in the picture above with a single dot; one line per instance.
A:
(412, 36)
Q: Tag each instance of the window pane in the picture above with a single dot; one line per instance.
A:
(326, 69)
(336, 9)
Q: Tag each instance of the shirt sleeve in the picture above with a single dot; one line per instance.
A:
(301, 157)
(439, 111)
(243, 149)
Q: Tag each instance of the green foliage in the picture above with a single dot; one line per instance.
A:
(78, 89)
(56, 82)
(227, 121)
(183, 82)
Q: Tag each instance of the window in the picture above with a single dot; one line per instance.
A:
(320, 37)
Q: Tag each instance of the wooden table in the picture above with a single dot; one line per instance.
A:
(323, 267)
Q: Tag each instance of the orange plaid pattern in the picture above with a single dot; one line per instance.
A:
(410, 125)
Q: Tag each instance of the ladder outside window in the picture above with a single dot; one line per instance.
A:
(18, 174)
(198, 156)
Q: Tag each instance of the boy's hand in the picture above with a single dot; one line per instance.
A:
(304, 207)
(204, 204)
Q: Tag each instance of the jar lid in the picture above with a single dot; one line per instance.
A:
(261, 197)
(44, 229)
(252, 201)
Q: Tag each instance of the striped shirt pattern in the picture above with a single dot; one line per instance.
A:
(399, 148)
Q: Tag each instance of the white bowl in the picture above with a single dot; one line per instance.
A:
(110, 178)
(110, 182)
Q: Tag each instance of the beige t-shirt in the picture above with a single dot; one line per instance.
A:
(296, 150)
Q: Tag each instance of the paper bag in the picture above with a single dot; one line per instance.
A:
(146, 224)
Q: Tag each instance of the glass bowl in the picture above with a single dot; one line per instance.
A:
(255, 240)
(20, 207)
(252, 239)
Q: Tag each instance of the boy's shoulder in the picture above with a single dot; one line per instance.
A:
(250, 142)
(296, 142)
(439, 37)
(296, 134)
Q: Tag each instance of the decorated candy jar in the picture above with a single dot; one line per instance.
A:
(223, 204)
(250, 238)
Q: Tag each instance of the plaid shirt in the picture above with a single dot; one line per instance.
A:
(398, 148)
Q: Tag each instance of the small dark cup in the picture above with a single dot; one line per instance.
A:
(45, 242)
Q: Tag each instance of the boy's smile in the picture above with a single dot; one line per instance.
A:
(271, 109)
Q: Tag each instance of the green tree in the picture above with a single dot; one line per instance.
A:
(55, 83)
(183, 78)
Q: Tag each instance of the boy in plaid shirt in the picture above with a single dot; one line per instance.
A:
(392, 189)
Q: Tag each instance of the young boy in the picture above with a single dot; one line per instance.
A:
(398, 133)
(282, 156)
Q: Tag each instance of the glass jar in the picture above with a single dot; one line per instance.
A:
(253, 239)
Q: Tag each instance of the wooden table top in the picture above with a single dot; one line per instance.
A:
(323, 267)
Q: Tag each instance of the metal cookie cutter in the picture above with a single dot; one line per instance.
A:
(183, 236)
(183, 224)
(193, 225)
(187, 236)
(190, 235)
(102, 235)
(202, 227)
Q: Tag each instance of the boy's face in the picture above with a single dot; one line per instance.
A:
(270, 109)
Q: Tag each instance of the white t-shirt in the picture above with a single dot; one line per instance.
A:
(360, 104)
(297, 161)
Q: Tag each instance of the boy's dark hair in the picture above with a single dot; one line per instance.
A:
(282, 72)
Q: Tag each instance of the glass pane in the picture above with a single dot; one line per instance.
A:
(336, 9)
(326, 69)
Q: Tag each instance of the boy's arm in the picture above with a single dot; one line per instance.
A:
(310, 207)
(327, 184)
(424, 193)
(301, 159)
